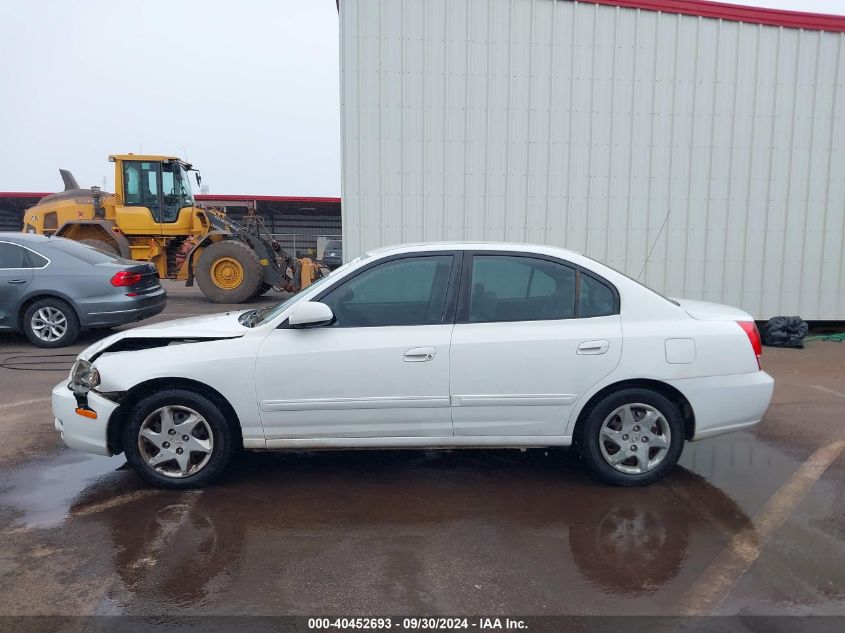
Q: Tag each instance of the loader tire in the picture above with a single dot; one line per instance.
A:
(102, 245)
(229, 272)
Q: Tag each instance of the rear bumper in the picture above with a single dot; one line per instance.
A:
(722, 404)
(78, 432)
(122, 310)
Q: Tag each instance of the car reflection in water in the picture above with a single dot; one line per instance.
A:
(412, 531)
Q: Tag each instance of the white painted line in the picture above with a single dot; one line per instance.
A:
(830, 391)
(717, 581)
(21, 403)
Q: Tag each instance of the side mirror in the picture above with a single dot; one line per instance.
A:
(310, 314)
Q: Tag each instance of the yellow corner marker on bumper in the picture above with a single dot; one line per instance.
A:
(86, 413)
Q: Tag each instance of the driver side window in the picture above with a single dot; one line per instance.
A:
(406, 291)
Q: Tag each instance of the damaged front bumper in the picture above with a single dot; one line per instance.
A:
(82, 432)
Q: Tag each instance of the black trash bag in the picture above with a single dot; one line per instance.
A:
(781, 331)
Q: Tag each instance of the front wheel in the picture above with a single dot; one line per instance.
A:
(632, 437)
(177, 439)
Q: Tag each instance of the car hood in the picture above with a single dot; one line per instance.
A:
(706, 311)
(200, 328)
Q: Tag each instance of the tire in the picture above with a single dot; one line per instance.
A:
(229, 272)
(102, 245)
(598, 445)
(50, 322)
(210, 431)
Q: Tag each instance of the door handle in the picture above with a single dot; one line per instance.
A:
(419, 354)
(593, 347)
(17, 281)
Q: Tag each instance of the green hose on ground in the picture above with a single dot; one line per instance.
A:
(838, 337)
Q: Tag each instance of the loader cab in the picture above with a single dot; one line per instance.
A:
(154, 195)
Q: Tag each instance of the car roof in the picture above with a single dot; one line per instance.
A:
(23, 238)
(421, 247)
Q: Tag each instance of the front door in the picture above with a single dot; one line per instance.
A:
(532, 335)
(16, 274)
(380, 370)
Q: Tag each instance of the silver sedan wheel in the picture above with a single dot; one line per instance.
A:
(635, 438)
(49, 324)
(176, 441)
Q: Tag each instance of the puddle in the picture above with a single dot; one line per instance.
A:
(741, 466)
(516, 530)
(41, 492)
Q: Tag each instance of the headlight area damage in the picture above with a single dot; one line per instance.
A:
(84, 377)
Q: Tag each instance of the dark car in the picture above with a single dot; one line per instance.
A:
(333, 254)
(52, 288)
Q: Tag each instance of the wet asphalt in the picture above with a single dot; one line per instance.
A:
(426, 532)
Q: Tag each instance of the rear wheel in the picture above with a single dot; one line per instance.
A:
(50, 322)
(229, 272)
(632, 437)
(177, 439)
(102, 245)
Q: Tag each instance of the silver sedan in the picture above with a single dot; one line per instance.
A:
(52, 288)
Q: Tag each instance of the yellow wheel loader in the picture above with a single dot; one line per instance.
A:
(153, 217)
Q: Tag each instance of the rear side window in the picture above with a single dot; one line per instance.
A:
(13, 256)
(595, 298)
(515, 288)
(520, 289)
(407, 291)
(80, 251)
(36, 260)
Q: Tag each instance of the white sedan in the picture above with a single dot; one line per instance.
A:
(426, 346)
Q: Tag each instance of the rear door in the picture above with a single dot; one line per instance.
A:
(533, 334)
(16, 274)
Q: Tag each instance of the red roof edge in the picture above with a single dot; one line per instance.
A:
(208, 196)
(234, 198)
(735, 12)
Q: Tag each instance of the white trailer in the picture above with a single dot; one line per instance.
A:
(700, 151)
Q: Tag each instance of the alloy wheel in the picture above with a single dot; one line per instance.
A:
(635, 438)
(49, 324)
(176, 441)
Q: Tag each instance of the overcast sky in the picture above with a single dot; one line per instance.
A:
(247, 90)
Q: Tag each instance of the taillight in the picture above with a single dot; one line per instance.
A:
(125, 278)
(753, 333)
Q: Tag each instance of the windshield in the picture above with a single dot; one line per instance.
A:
(253, 318)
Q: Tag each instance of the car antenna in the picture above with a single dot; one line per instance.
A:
(653, 244)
